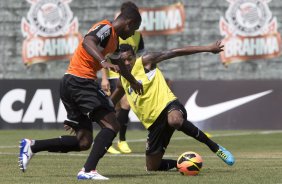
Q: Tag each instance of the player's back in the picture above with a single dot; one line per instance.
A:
(83, 64)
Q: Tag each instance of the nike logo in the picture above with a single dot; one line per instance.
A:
(196, 113)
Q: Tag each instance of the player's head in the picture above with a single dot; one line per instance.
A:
(130, 20)
(127, 55)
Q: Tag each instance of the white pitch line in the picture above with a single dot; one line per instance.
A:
(216, 135)
(187, 137)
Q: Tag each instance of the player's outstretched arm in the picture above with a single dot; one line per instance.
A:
(118, 93)
(156, 57)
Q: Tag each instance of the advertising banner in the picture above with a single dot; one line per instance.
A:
(50, 31)
(162, 20)
(250, 32)
(254, 104)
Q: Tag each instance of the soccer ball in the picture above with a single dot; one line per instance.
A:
(189, 163)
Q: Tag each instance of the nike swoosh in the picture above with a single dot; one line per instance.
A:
(196, 113)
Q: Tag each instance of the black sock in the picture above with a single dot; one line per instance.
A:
(62, 144)
(167, 164)
(123, 120)
(189, 129)
(102, 142)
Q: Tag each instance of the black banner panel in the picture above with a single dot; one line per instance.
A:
(211, 105)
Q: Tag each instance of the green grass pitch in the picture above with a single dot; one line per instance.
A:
(258, 160)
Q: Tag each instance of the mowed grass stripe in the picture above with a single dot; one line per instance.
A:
(258, 160)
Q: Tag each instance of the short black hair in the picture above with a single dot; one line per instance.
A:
(128, 4)
(130, 11)
(125, 48)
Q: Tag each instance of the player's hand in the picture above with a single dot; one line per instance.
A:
(216, 48)
(110, 66)
(137, 87)
(68, 128)
(105, 85)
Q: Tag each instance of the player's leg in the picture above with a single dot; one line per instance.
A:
(81, 141)
(103, 140)
(189, 129)
(123, 120)
(158, 139)
(113, 85)
(177, 118)
(153, 162)
(62, 144)
(157, 163)
(98, 107)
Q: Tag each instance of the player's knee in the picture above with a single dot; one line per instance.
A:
(84, 147)
(114, 126)
(85, 143)
(110, 121)
(150, 167)
(175, 120)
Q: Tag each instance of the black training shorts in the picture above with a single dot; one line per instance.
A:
(160, 132)
(82, 96)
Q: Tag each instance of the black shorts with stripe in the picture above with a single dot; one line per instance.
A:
(82, 96)
(160, 132)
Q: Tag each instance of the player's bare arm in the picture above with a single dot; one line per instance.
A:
(105, 84)
(156, 57)
(118, 93)
(90, 45)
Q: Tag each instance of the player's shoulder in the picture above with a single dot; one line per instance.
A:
(101, 27)
(101, 30)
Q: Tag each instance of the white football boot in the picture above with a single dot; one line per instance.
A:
(92, 175)
(25, 154)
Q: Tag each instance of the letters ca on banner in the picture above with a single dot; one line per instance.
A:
(250, 32)
(162, 20)
(50, 31)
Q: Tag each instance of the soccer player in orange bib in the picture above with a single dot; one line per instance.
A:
(83, 99)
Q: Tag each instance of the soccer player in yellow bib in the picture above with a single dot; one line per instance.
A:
(158, 108)
(108, 84)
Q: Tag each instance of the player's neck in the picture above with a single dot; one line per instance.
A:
(118, 26)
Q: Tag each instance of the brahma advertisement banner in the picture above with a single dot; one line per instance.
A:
(250, 32)
(211, 105)
(162, 20)
(50, 31)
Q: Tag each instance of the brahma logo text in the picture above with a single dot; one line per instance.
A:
(50, 30)
(163, 20)
(250, 31)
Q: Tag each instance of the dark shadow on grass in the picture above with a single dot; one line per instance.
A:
(131, 175)
(222, 171)
(153, 173)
